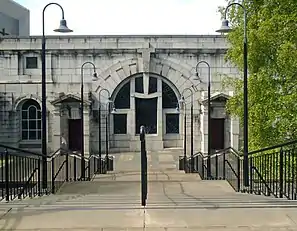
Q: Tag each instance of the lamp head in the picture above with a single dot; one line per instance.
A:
(177, 109)
(197, 76)
(114, 110)
(95, 76)
(63, 27)
(224, 27)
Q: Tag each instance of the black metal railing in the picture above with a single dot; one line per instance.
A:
(21, 171)
(272, 170)
(225, 165)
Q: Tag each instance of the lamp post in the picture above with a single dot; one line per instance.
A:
(99, 121)
(208, 117)
(62, 29)
(182, 100)
(82, 114)
(107, 130)
(225, 29)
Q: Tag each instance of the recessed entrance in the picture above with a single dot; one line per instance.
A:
(74, 134)
(146, 114)
(217, 133)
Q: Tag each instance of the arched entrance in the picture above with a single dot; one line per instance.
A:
(151, 103)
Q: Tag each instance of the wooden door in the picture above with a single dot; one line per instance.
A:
(74, 131)
(217, 134)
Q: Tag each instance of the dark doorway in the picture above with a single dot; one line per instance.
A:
(146, 114)
(217, 133)
(74, 131)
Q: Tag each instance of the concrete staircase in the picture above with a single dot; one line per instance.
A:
(171, 189)
(176, 201)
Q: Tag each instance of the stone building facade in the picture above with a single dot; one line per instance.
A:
(140, 81)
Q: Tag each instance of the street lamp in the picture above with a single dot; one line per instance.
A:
(225, 29)
(107, 130)
(99, 121)
(208, 117)
(82, 114)
(62, 29)
(182, 101)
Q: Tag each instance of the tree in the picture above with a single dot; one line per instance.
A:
(272, 69)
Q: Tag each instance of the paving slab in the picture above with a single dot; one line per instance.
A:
(164, 219)
(71, 219)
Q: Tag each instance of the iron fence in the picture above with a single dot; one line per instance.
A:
(21, 171)
(272, 170)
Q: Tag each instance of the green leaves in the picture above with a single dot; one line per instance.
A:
(272, 67)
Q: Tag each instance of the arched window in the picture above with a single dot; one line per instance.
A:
(169, 99)
(122, 100)
(31, 120)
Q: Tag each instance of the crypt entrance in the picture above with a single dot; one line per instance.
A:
(151, 101)
(66, 123)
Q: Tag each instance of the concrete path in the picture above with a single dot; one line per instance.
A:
(164, 160)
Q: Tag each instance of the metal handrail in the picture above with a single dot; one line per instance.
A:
(20, 150)
(273, 147)
(31, 180)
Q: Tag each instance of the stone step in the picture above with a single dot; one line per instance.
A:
(121, 201)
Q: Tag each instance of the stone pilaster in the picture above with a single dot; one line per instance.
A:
(56, 129)
(234, 133)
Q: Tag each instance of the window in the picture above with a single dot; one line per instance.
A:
(122, 100)
(139, 84)
(172, 123)
(146, 114)
(153, 85)
(120, 123)
(31, 62)
(169, 99)
(31, 120)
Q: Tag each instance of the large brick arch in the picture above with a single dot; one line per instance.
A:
(117, 73)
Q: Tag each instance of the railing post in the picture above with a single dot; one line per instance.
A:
(74, 168)
(53, 175)
(281, 173)
(238, 173)
(196, 164)
(224, 165)
(89, 168)
(251, 163)
(39, 176)
(216, 166)
(94, 166)
(6, 175)
(67, 166)
(202, 167)
(107, 142)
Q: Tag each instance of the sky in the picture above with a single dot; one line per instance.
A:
(126, 17)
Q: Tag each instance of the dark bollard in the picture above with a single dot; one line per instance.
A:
(110, 163)
(181, 163)
(143, 167)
